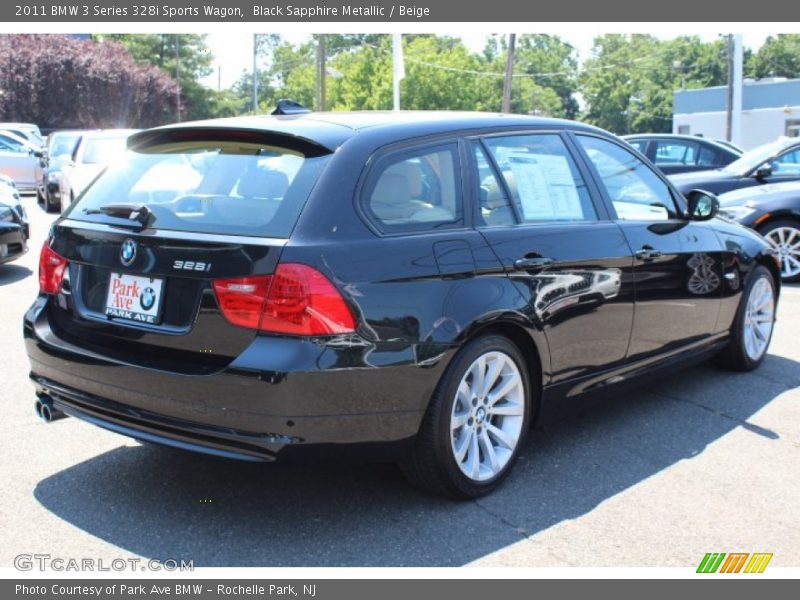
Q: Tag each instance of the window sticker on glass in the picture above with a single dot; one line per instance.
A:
(546, 187)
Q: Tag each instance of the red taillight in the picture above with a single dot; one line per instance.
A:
(51, 270)
(296, 300)
(242, 299)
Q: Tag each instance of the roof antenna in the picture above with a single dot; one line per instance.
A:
(289, 107)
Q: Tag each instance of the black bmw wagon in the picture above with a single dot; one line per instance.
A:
(417, 284)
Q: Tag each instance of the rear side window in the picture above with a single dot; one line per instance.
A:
(675, 153)
(415, 190)
(542, 178)
(234, 188)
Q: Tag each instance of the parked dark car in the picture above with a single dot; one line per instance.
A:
(674, 153)
(60, 147)
(414, 283)
(14, 227)
(775, 162)
(774, 211)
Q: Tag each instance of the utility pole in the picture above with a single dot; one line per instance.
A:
(321, 72)
(255, 73)
(729, 111)
(178, 75)
(398, 69)
(219, 78)
(738, 68)
(512, 40)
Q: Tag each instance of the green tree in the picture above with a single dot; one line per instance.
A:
(629, 81)
(553, 65)
(778, 57)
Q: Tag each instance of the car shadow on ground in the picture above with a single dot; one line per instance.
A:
(160, 503)
(13, 273)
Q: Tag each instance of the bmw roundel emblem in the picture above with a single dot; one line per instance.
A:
(147, 298)
(127, 253)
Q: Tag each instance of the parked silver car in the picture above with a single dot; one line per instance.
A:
(29, 131)
(19, 159)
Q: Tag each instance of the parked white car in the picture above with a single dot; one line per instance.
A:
(93, 153)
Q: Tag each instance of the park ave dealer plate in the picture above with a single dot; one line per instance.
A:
(134, 298)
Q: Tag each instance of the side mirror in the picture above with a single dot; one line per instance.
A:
(763, 171)
(701, 205)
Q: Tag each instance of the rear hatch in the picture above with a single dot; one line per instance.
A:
(161, 255)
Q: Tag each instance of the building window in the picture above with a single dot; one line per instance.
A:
(793, 127)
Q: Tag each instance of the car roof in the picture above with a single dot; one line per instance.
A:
(332, 129)
(681, 136)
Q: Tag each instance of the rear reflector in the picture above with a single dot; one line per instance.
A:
(295, 300)
(51, 270)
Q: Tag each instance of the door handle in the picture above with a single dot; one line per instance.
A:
(529, 264)
(647, 253)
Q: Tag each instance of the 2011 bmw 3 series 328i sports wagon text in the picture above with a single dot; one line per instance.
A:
(415, 282)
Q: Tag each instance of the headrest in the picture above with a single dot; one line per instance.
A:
(412, 172)
(391, 197)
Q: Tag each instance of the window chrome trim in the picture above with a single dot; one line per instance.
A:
(171, 234)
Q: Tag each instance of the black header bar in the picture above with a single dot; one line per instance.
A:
(382, 11)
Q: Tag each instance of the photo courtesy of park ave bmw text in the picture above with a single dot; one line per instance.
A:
(320, 299)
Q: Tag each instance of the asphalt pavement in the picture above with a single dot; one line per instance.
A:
(703, 461)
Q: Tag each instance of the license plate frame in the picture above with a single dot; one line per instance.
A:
(135, 298)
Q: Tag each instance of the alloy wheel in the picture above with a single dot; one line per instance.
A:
(759, 318)
(786, 240)
(487, 416)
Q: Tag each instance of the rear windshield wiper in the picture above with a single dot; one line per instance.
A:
(135, 212)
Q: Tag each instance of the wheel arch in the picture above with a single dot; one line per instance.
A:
(532, 346)
(785, 214)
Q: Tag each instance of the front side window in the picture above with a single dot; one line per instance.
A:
(542, 178)
(636, 192)
(10, 143)
(640, 145)
(416, 190)
(223, 187)
(707, 158)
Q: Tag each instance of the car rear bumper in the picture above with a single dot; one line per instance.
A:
(247, 410)
(13, 243)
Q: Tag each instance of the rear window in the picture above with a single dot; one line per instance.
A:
(231, 188)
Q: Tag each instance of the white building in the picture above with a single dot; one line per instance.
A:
(770, 109)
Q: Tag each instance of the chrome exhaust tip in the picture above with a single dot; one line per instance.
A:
(46, 411)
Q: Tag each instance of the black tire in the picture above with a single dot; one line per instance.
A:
(772, 226)
(431, 464)
(735, 357)
(49, 207)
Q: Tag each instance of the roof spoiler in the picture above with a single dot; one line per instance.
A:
(289, 107)
(164, 135)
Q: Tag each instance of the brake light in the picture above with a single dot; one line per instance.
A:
(295, 300)
(51, 270)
